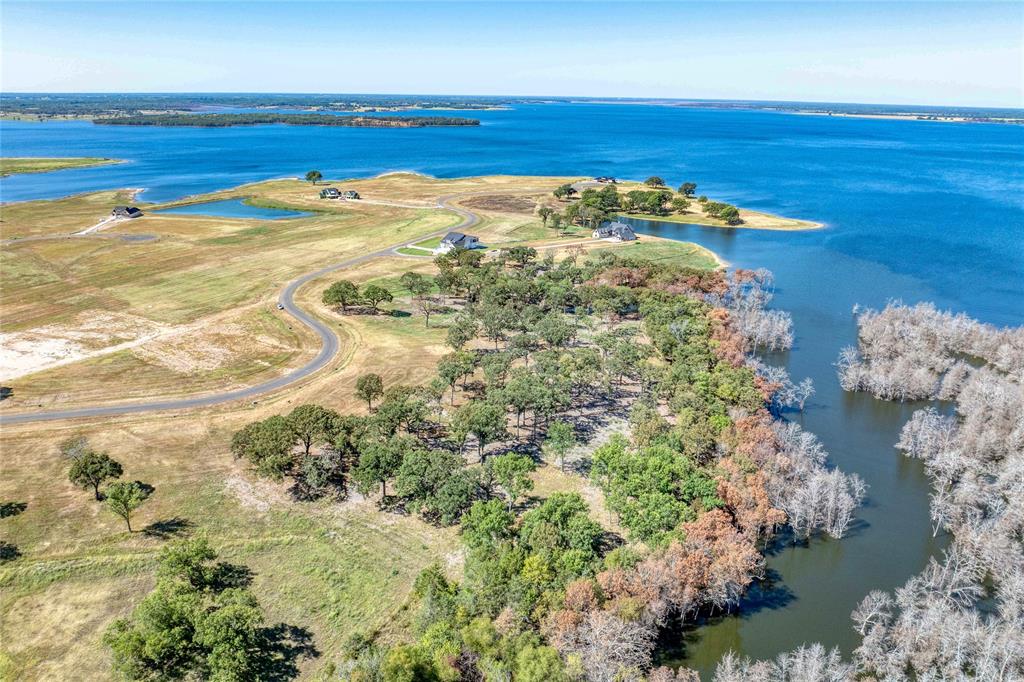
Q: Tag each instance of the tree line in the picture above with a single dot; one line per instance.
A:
(227, 120)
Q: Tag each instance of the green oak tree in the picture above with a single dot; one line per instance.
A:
(124, 497)
(312, 423)
(267, 445)
(560, 440)
(91, 469)
(375, 295)
(342, 293)
(512, 472)
(369, 387)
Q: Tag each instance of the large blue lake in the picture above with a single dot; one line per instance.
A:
(916, 210)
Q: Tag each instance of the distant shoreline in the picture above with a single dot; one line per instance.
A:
(19, 165)
(327, 120)
(934, 114)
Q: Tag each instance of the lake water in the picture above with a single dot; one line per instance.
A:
(914, 210)
(235, 208)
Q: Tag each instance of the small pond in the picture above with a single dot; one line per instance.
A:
(235, 208)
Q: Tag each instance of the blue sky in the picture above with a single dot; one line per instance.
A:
(967, 53)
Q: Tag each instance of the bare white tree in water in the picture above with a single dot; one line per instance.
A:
(936, 627)
(812, 663)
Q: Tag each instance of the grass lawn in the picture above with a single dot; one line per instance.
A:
(412, 251)
(10, 165)
(431, 243)
(678, 253)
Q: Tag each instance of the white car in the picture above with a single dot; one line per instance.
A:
(280, 306)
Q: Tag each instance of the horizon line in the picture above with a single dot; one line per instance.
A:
(623, 99)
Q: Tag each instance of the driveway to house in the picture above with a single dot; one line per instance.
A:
(328, 340)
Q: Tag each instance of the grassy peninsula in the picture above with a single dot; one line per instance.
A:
(13, 165)
(227, 120)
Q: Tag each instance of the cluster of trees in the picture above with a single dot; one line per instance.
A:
(705, 477)
(598, 205)
(727, 212)
(918, 352)
(344, 293)
(199, 622)
(90, 469)
(961, 617)
(746, 297)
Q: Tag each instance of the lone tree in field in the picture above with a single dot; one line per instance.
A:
(342, 293)
(124, 497)
(375, 295)
(91, 469)
(545, 212)
(314, 176)
(369, 387)
(654, 181)
(687, 189)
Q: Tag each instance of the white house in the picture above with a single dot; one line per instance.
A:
(457, 240)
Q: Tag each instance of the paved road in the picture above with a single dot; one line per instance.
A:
(328, 349)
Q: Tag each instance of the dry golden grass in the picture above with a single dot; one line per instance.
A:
(59, 216)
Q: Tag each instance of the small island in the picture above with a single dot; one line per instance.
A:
(227, 120)
(27, 164)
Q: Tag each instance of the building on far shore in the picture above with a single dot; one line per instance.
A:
(457, 240)
(616, 231)
(330, 193)
(606, 178)
(125, 212)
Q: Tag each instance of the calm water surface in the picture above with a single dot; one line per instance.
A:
(235, 208)
(913, 210)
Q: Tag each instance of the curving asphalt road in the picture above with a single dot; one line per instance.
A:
(328, 340)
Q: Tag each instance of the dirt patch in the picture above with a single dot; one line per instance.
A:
(87, 335)
(258, 495)
(202, 350)
(502, 203)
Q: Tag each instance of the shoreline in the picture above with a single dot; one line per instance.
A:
(752, 220)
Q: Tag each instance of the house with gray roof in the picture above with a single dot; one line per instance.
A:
(615, 231)
(457, 240)
(126, 212)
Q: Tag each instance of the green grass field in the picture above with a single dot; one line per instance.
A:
(678, 253)
(431, 243)
(11, 165)
(410, 251)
